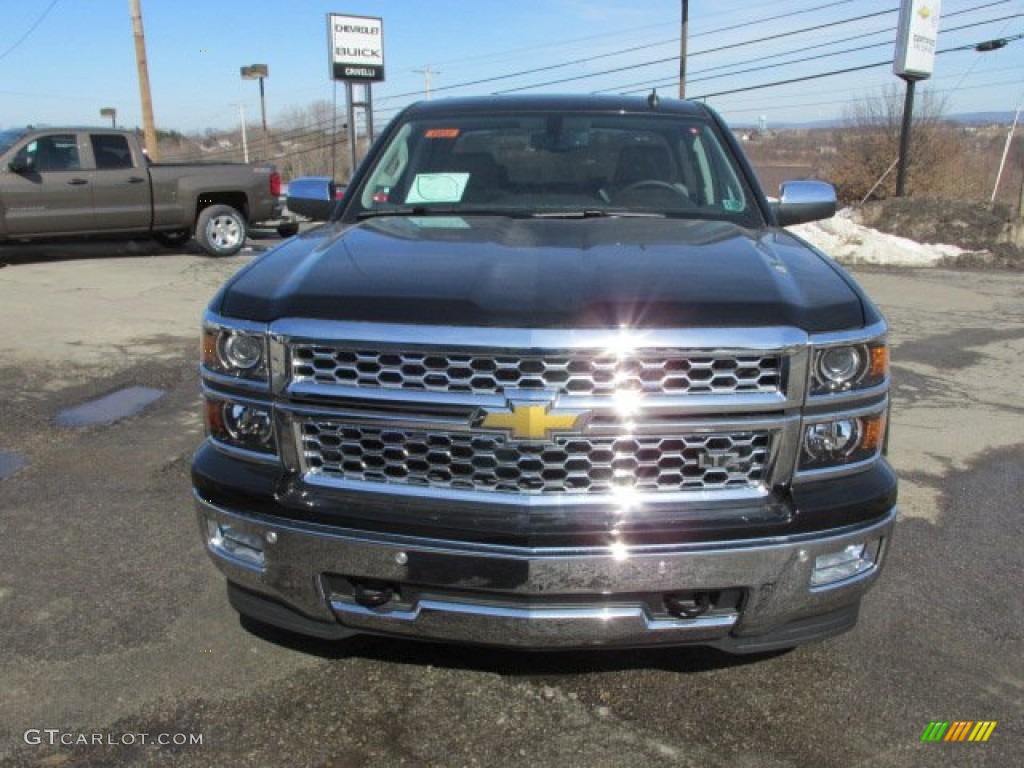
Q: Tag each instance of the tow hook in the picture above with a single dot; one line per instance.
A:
(688, 606)
(372, 595)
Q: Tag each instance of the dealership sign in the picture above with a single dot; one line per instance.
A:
(916, 38)
(356, 45)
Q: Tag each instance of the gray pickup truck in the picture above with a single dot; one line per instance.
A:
(60, 182)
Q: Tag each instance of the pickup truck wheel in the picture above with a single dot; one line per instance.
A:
(172, 239)
(288, 229)
(221, 230)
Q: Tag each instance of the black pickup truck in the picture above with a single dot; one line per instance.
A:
(73, 182)
(553, 376)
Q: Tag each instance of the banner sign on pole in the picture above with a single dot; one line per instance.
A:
(916, 38)
(356, 47)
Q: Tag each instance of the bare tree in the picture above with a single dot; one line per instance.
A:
(312, 142)
(868, 146)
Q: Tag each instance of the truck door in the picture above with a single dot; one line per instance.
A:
(120, 185)
(45, 189)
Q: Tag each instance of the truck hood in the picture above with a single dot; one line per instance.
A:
(547, 273)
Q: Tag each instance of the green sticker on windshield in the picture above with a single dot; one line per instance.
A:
(732, 205)
(437, 188)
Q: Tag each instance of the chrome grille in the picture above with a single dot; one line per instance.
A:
(654, 371)
(560, 465)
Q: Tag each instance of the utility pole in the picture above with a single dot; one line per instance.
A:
(245, 140)
(428, 81)
(683, 34)
(148, 124)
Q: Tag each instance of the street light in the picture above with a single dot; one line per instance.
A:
(111, 113)
(260, 72)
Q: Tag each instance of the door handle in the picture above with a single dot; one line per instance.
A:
(136, 180)
(78, 182)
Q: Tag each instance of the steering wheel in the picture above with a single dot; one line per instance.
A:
(656, 184)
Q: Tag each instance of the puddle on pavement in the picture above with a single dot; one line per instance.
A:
(110, 408)
(11, 463)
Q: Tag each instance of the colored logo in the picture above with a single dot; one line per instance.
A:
(958, 730)
(533, 422)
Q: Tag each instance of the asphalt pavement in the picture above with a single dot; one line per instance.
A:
(118, 647)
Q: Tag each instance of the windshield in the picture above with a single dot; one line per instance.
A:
(557, 164)
(9, 138)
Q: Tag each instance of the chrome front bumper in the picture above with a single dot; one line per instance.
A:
(314, 579)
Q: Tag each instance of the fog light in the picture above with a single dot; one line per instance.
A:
(236, 544)
(845, 564)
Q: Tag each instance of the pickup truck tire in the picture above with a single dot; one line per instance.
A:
(221, 230)
(174, 239)
(288, 229)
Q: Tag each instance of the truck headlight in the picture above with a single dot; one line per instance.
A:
(241, 425)
(840, 441)
(231, 352)
(845, 367)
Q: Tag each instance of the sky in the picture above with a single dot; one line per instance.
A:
(61, 61)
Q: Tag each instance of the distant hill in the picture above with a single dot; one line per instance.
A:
(983, 118)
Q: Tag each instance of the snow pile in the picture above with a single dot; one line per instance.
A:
(848, 242)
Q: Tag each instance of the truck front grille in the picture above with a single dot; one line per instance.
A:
(484, 461)
(590, 372)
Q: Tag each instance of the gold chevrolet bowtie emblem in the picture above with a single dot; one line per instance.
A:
(533, 422)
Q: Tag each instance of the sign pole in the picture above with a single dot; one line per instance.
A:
(905, 128)
(263, 114)
(334, 133)
(351, 114)
(369, 112)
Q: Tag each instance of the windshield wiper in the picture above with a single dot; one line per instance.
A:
(375, 212)
(424, 211)
(596, 213)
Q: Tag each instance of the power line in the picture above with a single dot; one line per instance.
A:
(706, 51)
(646, 84)
(804, 59)
(777, 36)
(623, 51)
(619, 33)
(31, 29)
(763, 106)
(834, 72)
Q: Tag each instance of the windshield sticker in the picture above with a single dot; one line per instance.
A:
(437, 188)
(732, 205)
(442, 133)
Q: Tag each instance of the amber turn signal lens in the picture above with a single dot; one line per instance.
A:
(879, 366)
(208, 350)
(873, 434)
(215, 418)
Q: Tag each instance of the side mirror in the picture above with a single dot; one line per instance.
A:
(803, 201)
(22, 164)
(312, 197)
